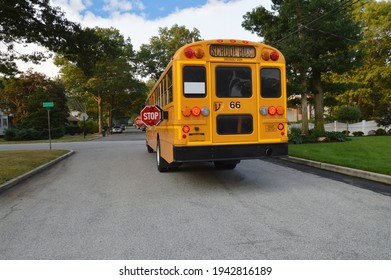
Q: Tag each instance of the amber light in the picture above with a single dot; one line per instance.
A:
(265, 55)
(186, 111)
(272, 110)
(280, 110)
(199, 53)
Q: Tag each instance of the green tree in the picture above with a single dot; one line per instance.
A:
(348, 114)
(24, 96)
(102, 71)
(373, 78)
(315, 37)
(153, 58)
(32, 21)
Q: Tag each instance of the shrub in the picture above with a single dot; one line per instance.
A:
(336, 136)
(380, 131)
(91, 126)
(73, 129)
(295, 136)
(18, 134)
(358, 133)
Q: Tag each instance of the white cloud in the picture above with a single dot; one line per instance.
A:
(215, 19)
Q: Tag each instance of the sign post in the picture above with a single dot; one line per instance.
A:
(85, 117)
(151, 115)
(48, 105)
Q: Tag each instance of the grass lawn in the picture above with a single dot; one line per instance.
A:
(66, 138)
(16, 163)
(370, 153)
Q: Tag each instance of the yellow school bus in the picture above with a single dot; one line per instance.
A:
(222, 101)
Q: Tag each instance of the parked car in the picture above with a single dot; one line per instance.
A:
(122, 127)
(116, 129)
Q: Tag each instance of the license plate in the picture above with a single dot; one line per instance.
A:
(270, 128)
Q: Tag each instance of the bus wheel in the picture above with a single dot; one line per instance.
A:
(162, 164)
(225, 164)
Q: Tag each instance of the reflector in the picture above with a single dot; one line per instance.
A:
(186, 129)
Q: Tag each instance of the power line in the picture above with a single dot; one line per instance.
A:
(337, 9)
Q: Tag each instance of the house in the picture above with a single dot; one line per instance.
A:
(3, 122)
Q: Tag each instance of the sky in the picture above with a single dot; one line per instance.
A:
(139, 20)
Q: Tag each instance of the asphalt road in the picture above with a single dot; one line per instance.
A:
(108, 201)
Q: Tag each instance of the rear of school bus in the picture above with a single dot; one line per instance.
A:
(229, 104)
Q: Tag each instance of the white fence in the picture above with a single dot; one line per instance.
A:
(364, 126)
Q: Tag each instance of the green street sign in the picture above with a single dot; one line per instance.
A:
(48, 104)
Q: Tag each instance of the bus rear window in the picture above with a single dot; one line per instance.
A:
(194, 81)
(233, 82)
(234, 124)
(270, 83)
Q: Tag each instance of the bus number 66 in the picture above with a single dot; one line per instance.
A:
(234, 105)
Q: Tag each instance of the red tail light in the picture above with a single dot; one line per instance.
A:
(280, 126)
(272, 110)
(196, 111)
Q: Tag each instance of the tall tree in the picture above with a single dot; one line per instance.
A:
(24, 96)
(315, 37)
(153, 58)
(32, 21)
(102, 69)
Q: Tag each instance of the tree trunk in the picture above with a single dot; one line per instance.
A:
(319, 121)
(304, 103)
(100, 113)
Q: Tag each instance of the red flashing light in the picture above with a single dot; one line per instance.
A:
(245, 42)
(220, 41)
(232, 41)
(189, 53)
(274, 56)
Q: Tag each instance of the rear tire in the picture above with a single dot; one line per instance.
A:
(161, 163)
(226, 164)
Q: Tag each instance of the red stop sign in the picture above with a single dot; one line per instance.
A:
(151, 115)
(139, 123)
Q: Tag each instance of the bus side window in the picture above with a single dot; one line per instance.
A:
(194, 81)
(270, 83)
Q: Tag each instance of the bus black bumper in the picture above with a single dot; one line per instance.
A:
(229, 152)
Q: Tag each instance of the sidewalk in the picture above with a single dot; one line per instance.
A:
(343, 170)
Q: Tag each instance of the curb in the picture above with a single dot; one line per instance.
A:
(343, 170)
(31, 173)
